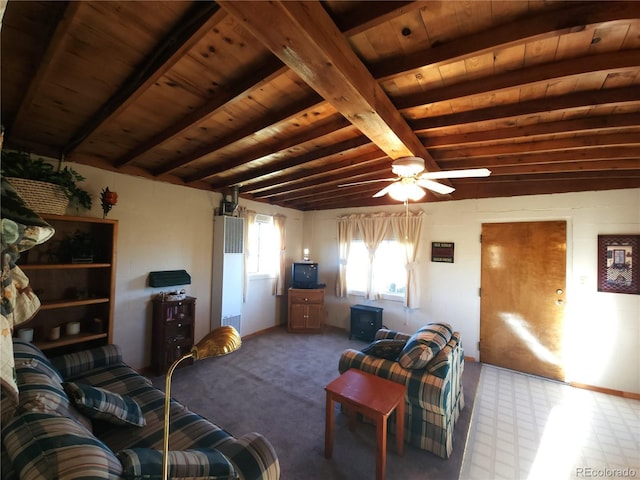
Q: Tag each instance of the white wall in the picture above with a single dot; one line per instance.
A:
(169, 227)
(603, 329)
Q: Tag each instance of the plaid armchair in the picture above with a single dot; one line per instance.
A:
(434, 392)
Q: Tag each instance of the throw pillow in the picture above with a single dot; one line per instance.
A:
(146, 463)
(440, 366)
(101, 404)
(386, 348)
(424, 345)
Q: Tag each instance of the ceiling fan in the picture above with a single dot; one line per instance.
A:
(410, 181)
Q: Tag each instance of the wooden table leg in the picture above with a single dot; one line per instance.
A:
(328, 427)
(400, 426)
(381, 446)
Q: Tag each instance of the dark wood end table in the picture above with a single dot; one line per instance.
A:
(375, 398)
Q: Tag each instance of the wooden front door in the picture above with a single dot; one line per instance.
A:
(523, 282)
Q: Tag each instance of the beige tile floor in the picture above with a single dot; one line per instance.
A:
(528, 428)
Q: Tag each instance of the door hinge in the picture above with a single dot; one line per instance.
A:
(480, 291)
(480, 238)
(478, 346)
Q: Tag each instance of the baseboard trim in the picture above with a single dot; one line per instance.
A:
(261, 332)
(469, 359)
(608, 391)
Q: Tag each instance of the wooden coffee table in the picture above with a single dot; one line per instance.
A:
(375, 398)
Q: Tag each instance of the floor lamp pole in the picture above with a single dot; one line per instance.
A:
(220, 341)
(167, 403)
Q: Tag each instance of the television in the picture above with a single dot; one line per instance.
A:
(304, 275)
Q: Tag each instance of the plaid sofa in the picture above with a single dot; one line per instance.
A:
(434, 392)
(47, 433)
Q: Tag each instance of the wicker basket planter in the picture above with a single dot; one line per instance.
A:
(41, 197)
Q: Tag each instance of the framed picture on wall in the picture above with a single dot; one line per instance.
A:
(618, 264)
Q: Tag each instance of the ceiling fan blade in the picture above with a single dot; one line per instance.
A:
(383, 192)
(468, 173)
(364, 182)
(435, 186)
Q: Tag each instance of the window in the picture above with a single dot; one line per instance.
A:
(262, 245)
(395, 239)
(389, 272)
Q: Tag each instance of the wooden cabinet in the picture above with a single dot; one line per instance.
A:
(172, 332)
(306, 310)
(73, 289)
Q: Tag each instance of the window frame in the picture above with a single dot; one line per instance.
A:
(256, 229)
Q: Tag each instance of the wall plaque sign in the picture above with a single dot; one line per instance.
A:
(442, 252)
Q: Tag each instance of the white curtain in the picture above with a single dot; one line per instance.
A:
(346, 227)
(279, 222)
(373, 229)
(249, 217)
(406, 229)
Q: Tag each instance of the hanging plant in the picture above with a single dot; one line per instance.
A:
(21, 165)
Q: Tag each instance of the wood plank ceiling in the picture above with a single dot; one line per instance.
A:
(289, 100)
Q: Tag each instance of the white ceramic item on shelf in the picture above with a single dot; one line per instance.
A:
(72, 328)
(26, 334)
(54, 333)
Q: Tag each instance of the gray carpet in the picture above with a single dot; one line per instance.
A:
(275, 385)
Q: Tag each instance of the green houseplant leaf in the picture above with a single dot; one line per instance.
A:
(21, 165)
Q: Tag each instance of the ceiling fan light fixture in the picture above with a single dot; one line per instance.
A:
(407, 166)
(405, 191)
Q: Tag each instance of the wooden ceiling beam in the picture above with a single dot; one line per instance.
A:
(578, 142)
(554, 71)
(542, 158)
(313, 47)
(226, 166)
(613, 96)
(268, 120)
(527, 28)
(361, 199)
(188, 31)
(573, 126)
(331, 191)
(318, 185)
(163, 137)
(301, 177)
(543, 186)
(55, 47)
(271, 168)
(239, 89)
(608, 62)
(351, 24)
(267, 150)
(331, 194)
